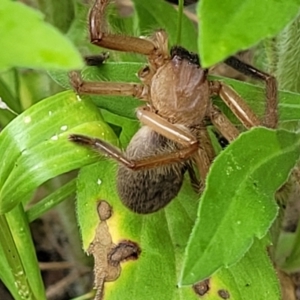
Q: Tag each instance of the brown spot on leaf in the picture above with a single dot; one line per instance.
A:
(107, 255)
(104, 210)
(224, 294)
(201, 288)
(125, 250)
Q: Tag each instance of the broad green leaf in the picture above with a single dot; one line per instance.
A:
(230, 216)
(27, 41)
(230, 26)
(253, 277)
(154, 15)
(35, 146)
(161, 236)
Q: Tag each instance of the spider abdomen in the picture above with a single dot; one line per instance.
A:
(148, 190)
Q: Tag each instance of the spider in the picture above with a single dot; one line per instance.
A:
(173, 138)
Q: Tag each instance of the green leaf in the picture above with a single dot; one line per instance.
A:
(35, 148)
(51, 200)
(230, 216)
(253, 277)
(41, 150)
(27, 41)
(161, 236)
(227, 27)
(153, 15)
(128, 127)
(20, 271)
(285, 55)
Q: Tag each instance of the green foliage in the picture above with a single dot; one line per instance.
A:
(230, 226)
(35, 44)
(151, 16)
(231, 26)
(243, 281)
(31, 156)
(156, 234)
(243, 210)
(39, 151)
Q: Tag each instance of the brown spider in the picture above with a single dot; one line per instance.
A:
(173, 138)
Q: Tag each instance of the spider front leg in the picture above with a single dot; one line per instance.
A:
(135, 165)
(114, 41)
(167, 129)
(187, 140)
